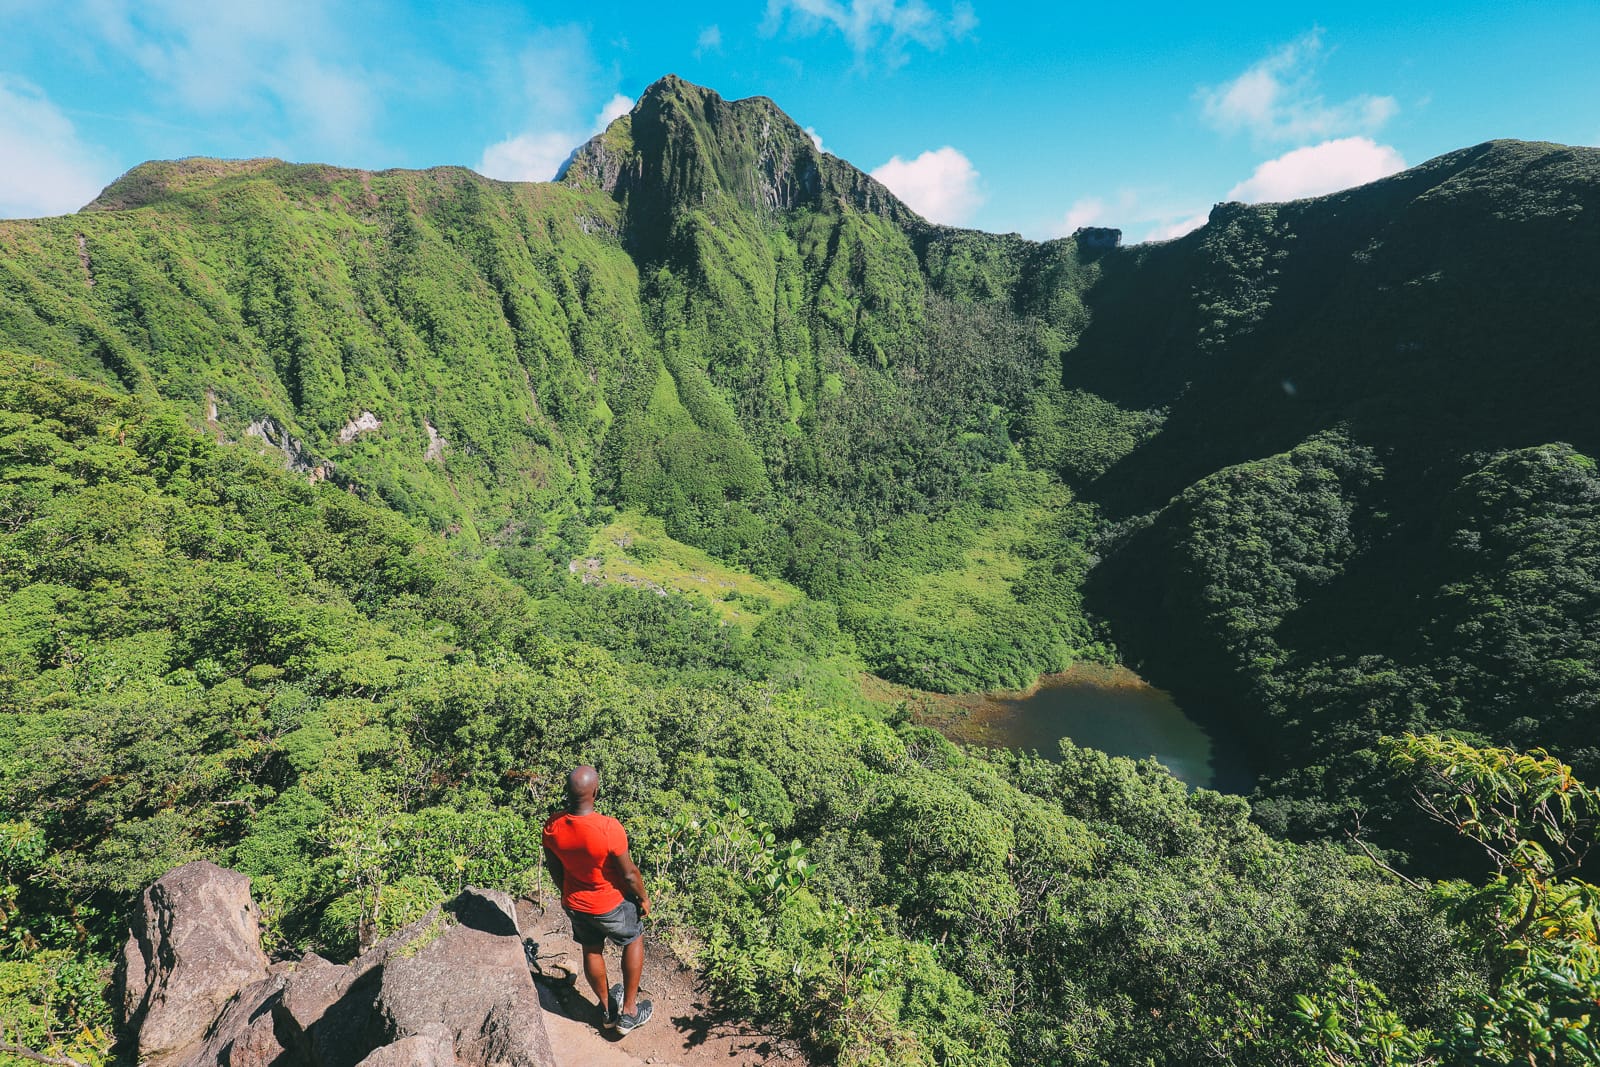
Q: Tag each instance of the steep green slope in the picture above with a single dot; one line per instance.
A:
(708, 320)
(1326, 466)
(1375, 418)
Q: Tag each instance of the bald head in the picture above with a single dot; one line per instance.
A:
(581, 786)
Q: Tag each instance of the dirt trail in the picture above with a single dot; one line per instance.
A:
(684, 1031)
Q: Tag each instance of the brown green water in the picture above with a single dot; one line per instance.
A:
(1108, 708)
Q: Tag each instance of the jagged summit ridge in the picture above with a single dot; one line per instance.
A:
(683, 144)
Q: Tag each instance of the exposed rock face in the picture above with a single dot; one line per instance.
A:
(295, 456)
(452, 988)
(365, 422)
(195, 943)
(1099, 238)
(436, 443)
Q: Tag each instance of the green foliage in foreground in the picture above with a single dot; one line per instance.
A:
(203, 656)
(1535, 924)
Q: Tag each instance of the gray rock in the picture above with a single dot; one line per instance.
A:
(328, 1012)
(195, 943)
(488, 910)
(450, 989)
(238, 1022)
(433, 1048)
(477, 985)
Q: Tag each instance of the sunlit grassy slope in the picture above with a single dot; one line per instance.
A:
(634, 549)
(978, 584)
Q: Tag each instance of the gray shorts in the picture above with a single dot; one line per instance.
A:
(620, 926)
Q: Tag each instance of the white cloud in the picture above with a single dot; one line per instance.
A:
(618, 106)
(48, 170)
(556, 71)
(1319, 169)
(885, 27)
(1084, 212)
(941, 185)
(527, 157)
(1277, 99)
(1315, 170)
(816, 138)
(710, 40)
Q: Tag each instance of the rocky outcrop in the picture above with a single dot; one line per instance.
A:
(1097, 238)
(436, 443)
(365, 422)
(452, 988)
(296, 457)
(195, 943)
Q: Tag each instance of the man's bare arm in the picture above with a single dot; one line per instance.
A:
(633, 881)
(558, 873)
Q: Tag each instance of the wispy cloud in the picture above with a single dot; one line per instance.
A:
(940, 185)
(709, 41)
(1278, 99)
(880, 30)
(285, 57)
(1145, 214)
(48, 170)
(816, 138)
(1172, 230)
(619, 105)
(1124, 208)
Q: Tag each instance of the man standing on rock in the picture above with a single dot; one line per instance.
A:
(587, 856)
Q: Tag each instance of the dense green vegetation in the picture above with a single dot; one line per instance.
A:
(204, 656)
(302, 470)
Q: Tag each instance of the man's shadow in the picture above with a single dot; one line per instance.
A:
(558, 989)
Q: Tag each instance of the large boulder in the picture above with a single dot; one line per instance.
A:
(451, 990)
(194, 944)
(471, 977)
(328, 1011)
(488, 910)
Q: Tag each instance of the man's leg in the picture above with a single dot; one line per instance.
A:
(632, 968)
(594, 969)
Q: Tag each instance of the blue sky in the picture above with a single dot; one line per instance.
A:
(1001, 116)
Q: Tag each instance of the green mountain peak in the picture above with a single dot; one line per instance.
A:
(683, 146)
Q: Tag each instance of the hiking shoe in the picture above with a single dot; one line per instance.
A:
(627, 1023)
(614, 1006)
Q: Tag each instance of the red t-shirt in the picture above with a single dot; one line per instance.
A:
(586, 845)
